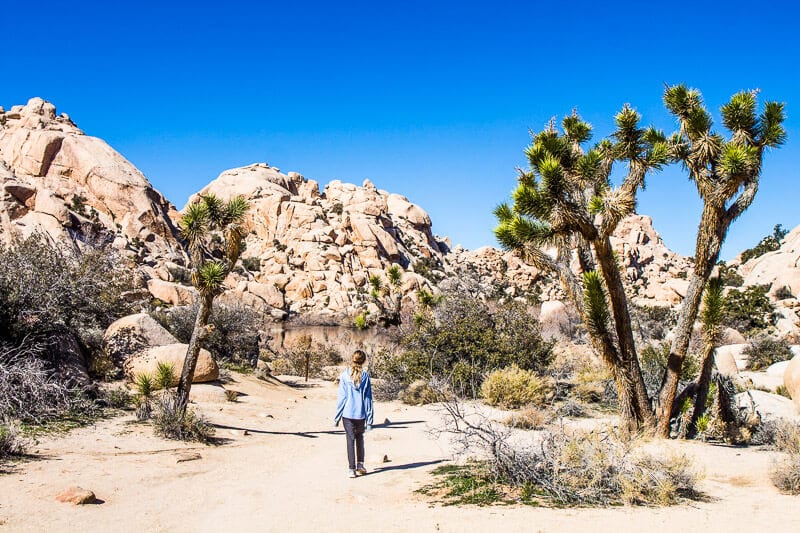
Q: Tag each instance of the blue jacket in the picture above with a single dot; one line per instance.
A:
(355, 403)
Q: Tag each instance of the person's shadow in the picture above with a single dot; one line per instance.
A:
(407, 466)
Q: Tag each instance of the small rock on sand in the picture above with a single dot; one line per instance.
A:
(77, 496)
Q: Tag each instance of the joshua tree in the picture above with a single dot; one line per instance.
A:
(566, 201)
(387, 296)
(726, 174)
(711, 318)
(213, 231)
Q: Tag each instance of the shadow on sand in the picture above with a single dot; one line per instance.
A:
(316, 434)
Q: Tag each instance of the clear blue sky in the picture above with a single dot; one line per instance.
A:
(429, 99)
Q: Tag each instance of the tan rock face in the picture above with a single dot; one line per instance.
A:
(55, 177)
(129, 335)
(791, 380)
(312, 246)
(146, 362)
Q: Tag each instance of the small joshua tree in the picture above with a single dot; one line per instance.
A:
(212, 259)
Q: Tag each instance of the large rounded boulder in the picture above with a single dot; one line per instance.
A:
(146, 362)
(132, 334)
(791, 380)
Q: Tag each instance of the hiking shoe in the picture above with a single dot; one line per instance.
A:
(361, 470)
(352, 473)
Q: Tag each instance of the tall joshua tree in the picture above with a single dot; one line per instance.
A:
(726, 173)
(566, 201)
(204, 222)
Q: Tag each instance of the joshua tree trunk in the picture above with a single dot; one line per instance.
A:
(633, 379)
(711, 233)
(703, 384)
(193, 352)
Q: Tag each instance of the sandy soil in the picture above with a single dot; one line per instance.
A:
(289, 474)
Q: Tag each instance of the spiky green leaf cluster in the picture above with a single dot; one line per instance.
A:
(594, 299)
(713, 306)
(210, 276)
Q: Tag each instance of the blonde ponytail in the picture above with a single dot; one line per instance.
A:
(357, 366)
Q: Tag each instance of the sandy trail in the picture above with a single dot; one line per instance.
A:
(289, 474)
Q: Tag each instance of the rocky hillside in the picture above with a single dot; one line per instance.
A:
(76, 188)
(310, 251)
(780, 270)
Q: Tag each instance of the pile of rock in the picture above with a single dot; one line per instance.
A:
(76, 188)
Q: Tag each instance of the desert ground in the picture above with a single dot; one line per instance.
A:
(281, 466)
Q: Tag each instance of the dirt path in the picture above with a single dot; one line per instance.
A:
(289, 474)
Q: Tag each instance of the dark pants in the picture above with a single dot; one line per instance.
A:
(355, 436)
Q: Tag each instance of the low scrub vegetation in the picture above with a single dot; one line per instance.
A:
(235, 335)
(462, 339)
(750, 310)
(763, 351)
(564, 468)
(770, 243)
(54, 306)
(171, 422)
(305, 357)
(11, 441)
(513, 387)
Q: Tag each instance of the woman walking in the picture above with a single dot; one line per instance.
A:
(354, 406)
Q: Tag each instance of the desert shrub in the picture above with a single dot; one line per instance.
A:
(420, 392)
(748, 310)
(784, 293)
(361, 321)
(11, 440)
(763, 351)
(234, 339)
(462, 338)
(782, 435)
(145, 386)
(572, 468)
(770, 243)
(729, 275)
(119, 398)
(513, 387)
(54, 293)
(253, 264)
(652, 323)
(785, 474)
(572, 409)
(593, 384)
(597, 469)
(305, 353)
(528, 418)
(54, 305)
(29, 390)
(653, 361)
(783, 391)
(169, 422)
(231, 395)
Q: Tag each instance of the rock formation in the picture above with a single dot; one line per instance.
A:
(309, 251)
(76, 188)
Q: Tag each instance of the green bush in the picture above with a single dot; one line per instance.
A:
(653, 361)
(748, 310)
(763, 351)
(462, 338)
(119, 398)
(729, 275)
(770, 243)
(513, 387)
